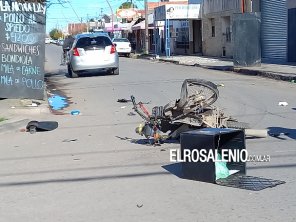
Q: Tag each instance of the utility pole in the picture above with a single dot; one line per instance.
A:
(87, 23)
(112, 23)
(146, 28)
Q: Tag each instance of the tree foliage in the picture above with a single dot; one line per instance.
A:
(56, 34)
(127, 5)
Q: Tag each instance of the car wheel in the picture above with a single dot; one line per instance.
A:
(115, 71)
(71, 73)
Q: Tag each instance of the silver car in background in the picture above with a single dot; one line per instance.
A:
(92, 52)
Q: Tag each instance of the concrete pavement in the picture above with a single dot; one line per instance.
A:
(83, 172)
(285, 72)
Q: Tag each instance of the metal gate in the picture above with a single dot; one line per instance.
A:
(274, 15)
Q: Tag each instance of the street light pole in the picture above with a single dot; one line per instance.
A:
(111, 15)
(146, 28)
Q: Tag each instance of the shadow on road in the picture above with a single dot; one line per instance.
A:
(82, 179)
(95, 168)
(221, 68)
(278, 132)
(272, 166)
(149, 142)
(175, 169)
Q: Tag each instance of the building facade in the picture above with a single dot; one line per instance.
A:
(217, 19)
(291, 4)
(274, 30)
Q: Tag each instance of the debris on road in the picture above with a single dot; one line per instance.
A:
(69, 140)
(123, 107)
(36, 126)
(123, 100)
(32, 105)
(221, 84)
(75, 112)
(131, 114)
(139, 205)
(193, 110)
(283, 104)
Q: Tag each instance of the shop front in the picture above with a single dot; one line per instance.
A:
(178, 29)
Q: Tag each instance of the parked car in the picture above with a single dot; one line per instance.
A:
(123, 46)
(47, 40)
(92, 52)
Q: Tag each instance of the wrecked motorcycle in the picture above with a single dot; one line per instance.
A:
(194, 110)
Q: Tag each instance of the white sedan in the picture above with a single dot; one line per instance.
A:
(123, 46)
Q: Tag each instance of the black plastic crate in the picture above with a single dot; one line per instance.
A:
(211, 139)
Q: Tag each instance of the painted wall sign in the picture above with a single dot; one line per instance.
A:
(22, 50)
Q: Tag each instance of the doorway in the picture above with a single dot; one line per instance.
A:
(197, 36)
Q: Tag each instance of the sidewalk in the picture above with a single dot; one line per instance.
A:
(273, 71)
(16, 113)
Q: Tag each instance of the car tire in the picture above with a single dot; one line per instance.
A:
(115, 71)
(71, 73)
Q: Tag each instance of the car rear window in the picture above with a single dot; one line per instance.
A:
(93, 42)
(120, 40)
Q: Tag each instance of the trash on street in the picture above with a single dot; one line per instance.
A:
(36, 126)
(75, 112)
(123, 100)
(283, 104)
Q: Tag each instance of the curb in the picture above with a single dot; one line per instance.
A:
(13, 126)
(266, 74)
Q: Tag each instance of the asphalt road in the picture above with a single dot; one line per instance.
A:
(83, 172)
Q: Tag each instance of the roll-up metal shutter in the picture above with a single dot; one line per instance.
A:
(274, 17)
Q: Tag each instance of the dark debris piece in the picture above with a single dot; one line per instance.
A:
(248, 182)
(69, 140)
(131, 114)
(123, 100)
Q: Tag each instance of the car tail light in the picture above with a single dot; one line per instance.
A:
(113, 49)
(75, 52)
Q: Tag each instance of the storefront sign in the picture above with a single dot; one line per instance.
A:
(177, 12)
(126, 13)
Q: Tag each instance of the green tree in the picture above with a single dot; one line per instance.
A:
(56, 34)
(126, 5)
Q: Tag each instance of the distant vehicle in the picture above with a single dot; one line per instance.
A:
(91, 53)
(123, 46)
(98, 30)
(60, 42)
(47, 40)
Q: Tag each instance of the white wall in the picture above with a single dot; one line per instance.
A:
(214, 6)
(291, 4)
